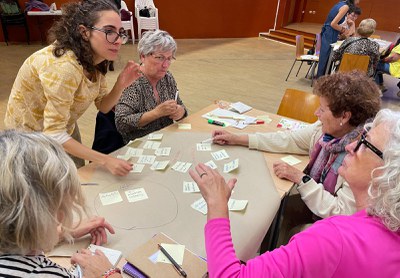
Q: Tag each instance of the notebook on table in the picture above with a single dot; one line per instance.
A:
(140, 258)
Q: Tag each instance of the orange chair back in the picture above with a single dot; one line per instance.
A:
(299, 46)
(351, 62)
(299, 105)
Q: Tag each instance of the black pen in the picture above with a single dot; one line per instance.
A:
(174, 263)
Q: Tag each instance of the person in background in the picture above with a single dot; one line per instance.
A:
(40, 195)
(56, 84)
(330, 31)
(347, 101)
(389, 65)
(361, 45)
(365, 244)
(152, 102)
(350, 23)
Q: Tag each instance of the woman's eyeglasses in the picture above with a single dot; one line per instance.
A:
(112, 36)
(162, 59)
(363, 140)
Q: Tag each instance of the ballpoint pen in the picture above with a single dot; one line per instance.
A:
(174, 263)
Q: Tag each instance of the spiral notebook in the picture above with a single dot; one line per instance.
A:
(132, 271)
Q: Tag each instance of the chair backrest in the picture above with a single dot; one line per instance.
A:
(317, 44)
(124, 6)
(9, 7)
(375, 37)
(299, 45)
(351, 62)
(143, 3)
(299, 105)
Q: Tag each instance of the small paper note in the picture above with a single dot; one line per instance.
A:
(237, 205)
(109, 198)
(240, 107)
(112, 255)
(146, 159)
(135, 195)
(155, 136)
(135, 143)
(200, 205)
(151, 145)
(211, 164)
(182, 167)
(163, 151)
(203, 147)
(137, 168)
(159, 165)
(190, 187)
(220, 155)
(131, 152)
(265, 118)
(291, 160)
(184, 126)
(176, 251)
(228, 167)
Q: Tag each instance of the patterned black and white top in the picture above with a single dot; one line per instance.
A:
(137, 99)
(12, 266)
(359, 46)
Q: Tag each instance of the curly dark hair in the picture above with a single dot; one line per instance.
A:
(65, 35)
(350, 92)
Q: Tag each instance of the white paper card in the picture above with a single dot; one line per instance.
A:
(291, 160)
(237, 205)
(200, 205)
(190, 187)
(159, 165)
(109, 198)
(228, 167)
(137, 168)
(151, 145)
(163, 151)
(184, 126)
(203, 147)
(220, 155)
(176, 251)
(146, 159)
(155, 136)
(112, 255)
(182, 167)
(211, 164)
(240, 107)
(135, 195)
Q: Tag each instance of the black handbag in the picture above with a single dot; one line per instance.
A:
(145, 12)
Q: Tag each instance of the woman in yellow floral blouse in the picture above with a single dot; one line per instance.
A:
(56, 85)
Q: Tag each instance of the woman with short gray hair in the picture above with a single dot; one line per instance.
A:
(152, 102)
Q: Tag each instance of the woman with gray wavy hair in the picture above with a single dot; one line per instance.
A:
(152, 102)
(365, 244)
(39, 195)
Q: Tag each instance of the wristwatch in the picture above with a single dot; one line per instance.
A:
(305, 179)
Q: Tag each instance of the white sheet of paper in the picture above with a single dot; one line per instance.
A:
(237, 205)
(135, 195)
(109, 198)
(137, 168)
(291, 124)
(159, 165)
(155, 136)
(291, 160)
(211, 164)
(184, 126)
(230, 166)
(229, 118)
(163, 151)
(182, 167)
(146, 159)
(152, 145)
(203, 147)
(112, 255)
(200, 205)
(176, 251)
(220, 155)
(190, 187)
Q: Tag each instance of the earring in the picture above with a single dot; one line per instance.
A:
(341, 124)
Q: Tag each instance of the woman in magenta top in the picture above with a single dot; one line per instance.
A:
(365, 244)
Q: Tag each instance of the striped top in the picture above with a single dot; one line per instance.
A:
(29, 266)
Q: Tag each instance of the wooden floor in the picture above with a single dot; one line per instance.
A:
(251, 70)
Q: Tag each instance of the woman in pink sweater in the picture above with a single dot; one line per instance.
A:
(365, 244)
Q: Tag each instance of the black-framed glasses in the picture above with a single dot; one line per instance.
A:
(363, 140)
(161, 59)
(112, 36)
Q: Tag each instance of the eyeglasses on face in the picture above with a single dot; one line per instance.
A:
(112, 36)
(363, 140)
(162, 59)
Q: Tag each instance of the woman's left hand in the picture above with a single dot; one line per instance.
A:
(92, 264)
(285, 171)
(96, 227)
(129, 74)
(178, 114)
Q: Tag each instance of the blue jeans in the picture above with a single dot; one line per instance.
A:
(381, 68)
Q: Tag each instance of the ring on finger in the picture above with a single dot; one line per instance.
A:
(202, 174)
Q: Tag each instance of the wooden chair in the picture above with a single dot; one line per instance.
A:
(12, 15)
(299, 105)
(351, 62)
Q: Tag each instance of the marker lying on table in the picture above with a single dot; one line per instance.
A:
(215, 122)
(174, 263)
